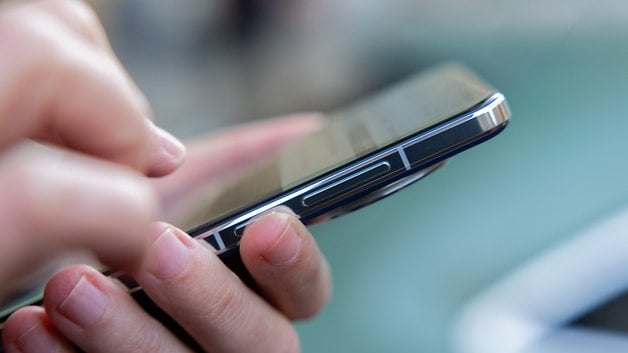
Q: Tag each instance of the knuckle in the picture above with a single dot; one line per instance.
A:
(16, 28)
(24, 192)
(17, 184)
(229, 306)
(42, 189)
(43, 22)
(77, 11)
(45, 49)
(142, 340)
(82, 18)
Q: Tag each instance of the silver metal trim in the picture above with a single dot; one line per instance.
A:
(219, 241)
(404, 158)
(492, 114)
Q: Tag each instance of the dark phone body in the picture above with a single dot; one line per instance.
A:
(377, 168)
(396, 138)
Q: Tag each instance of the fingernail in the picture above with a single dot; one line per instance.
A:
(169, 255)
(170, 145)
(37, 340)
(85, 304)
(282, 235)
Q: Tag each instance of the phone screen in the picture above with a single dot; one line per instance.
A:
(412, 106)
(402, 112)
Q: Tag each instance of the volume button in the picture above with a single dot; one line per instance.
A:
(346, 184)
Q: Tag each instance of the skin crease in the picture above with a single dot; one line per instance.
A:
(78, 157)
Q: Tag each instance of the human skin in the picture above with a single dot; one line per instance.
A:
(78, 153)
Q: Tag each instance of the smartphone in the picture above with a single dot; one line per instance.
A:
(366, 151)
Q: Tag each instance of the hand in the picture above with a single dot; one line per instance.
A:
(84, 308)
(221, 158)
(75, 142)
(88, 172)
(192, 285)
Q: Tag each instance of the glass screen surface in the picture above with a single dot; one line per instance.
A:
(411, 106)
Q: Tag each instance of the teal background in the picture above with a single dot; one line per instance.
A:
(403, 267)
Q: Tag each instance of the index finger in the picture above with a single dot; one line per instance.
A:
(61, 87)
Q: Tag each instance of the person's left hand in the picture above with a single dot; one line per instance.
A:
(85, 309)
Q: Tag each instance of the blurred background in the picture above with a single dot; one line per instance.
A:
(408, 268)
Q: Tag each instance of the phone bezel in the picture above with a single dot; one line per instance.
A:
(482, 120)
(485, 119)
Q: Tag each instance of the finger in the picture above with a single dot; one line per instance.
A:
(52, 201)
(79, 17)
(227, 152)
(97, 315)
(59, 87)
(247, 143)
(283, 258)
(29, 330)
(192, 285)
